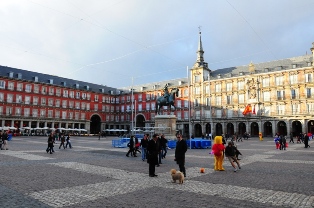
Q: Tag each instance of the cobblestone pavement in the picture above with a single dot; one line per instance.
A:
(94, 174)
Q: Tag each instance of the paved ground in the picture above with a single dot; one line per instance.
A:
(93, 174)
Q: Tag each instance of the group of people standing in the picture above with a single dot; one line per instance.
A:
(62, 138)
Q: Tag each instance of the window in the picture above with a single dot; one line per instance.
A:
(218, 100)
(1, 97)
(88, 96)
(308, 78)
(27, 100)
(123, 99)
(107, 118)
(139, 107)
(96, 98)
(35, 113)
(117, 100)
(122, 107)
(57, 103)
(36, 89)
(265, 82)
(280, 109)
(147, 106)
(218, 88)
(153, 106)
(196, 102)
(229, 99)
(207, 101)
(103, 108)
(266, 96)
(295, 108)
(71, 104)
(241, 98)
(26, 112)
(178, 104)
(77, 115)
(43, 101)
(42, 113)
(310, 107)
(113, 100)
(111, 109)
(241, 85)
(77, 105)
(197, 90)
(87, 106)
(293, 94)
(293, 79)
(117, 108)
(2, 84)
(50, 113)
(8, 111)
(17, 111)
(65, 93)
(70, 115)
(28, 88)
(197, 78)
(11, 85)
(122, 117)
(19, 99)
(57, 114)
(43, 90)
(279, 80)
(229, 86)
(84, 96)
(82, 116)
(64, 114)
(50, 102)
(186, 115)
(77, 95)
(71, 94)
(197, 114)
(19, 86)
(64, 103)
(51, 91)
(186, 92)
(58, 92)
(9, 98)
(308, 92)
(96, 107)
(280, 95)
(140, 97)
(207, 113)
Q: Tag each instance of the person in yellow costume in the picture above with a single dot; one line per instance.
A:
(218, 151)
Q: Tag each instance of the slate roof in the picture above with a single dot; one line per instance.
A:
(57, 81)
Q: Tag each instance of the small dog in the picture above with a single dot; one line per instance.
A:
(177, 175)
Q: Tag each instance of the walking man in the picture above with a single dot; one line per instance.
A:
(152, 155)
(144, 143)
(181, 149)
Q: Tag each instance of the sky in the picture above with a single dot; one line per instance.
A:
(120, 43)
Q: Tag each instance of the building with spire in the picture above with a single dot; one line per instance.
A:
(271, 97)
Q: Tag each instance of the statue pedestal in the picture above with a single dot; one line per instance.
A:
(167, 125)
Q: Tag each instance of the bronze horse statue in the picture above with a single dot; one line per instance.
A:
(161, 100)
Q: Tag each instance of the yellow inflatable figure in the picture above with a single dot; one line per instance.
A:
(217, 150)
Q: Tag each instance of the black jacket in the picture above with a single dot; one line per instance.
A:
(144, 143)
(181, 149)
(153, 149)
(230, 151)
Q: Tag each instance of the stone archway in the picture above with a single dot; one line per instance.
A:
(282, 128)
(197, 130)
(230, 129)
(95, 123)
(218, 129)
(140, 121)
(208, 128)
(268, 129)
(297, 128)
(241, 128)
(310, 127)
(254, 129)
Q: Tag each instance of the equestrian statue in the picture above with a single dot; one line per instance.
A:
(167, 99)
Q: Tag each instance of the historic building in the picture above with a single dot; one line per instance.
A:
(270, 97)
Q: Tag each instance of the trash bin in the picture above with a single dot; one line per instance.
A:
(9, 137)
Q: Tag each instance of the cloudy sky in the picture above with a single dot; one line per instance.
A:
(110, 41)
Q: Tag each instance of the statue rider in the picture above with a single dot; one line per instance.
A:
(166, 94)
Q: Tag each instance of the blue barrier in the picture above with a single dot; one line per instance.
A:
(198, 143)
(9, 137)
(206, 144)
(172, 144)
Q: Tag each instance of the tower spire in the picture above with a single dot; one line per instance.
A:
(200, 52)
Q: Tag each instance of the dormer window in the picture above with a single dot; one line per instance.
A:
(279, 68)
(35, 79)
(102, 90)
(77, 86)
(219, 76)
(86, 87)
(19, 75)
(241, 73)
(63, 84)
(50, 81)
(266, 70)
(11, 74)
(294, 66)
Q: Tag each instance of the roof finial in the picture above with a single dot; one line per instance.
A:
(199, 29)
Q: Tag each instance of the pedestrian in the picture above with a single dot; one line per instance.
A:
(152, 155)
(131, 147)
(284, 142)
(62, 141)
(144, 143)
(306, 141)
(163, 143)
(4, 138)
(68, 142)
(137, 145)
(291, 138)
(1, 140)
(230, 153)
(181, 148)
(50, 141)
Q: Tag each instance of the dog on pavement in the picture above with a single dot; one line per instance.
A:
(177, 175)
